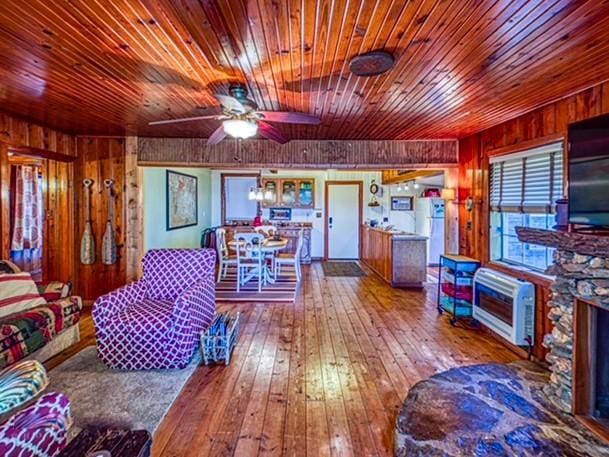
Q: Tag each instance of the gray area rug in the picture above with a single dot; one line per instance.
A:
(342, 269)
(100, 396)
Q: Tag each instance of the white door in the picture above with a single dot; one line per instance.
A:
(343, 221)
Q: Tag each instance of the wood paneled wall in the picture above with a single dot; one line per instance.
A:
(545, 124)
(100, 159)
(96, 158)
(298, 153)
(57, 262)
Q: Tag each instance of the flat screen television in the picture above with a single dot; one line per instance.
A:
(588, 189)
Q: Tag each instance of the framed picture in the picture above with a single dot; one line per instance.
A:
(182, 204)
(402, 203)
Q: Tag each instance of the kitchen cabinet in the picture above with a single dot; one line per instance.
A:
(289, 192)
(271, 192)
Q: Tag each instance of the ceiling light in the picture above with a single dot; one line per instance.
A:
(269, 195)
(259, 194)
(240, 128)
(416, 185)
(399, 188)
(406, 186)
(252, 194)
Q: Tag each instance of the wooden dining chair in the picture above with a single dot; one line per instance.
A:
(266, 230)
(225, 259)
(290, 259)
(249, 257)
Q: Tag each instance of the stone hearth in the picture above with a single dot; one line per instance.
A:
(581, 268)
(489, 410)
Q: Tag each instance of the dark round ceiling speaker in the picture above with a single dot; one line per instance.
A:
(371, 63)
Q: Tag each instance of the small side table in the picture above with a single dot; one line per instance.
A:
(112, 442)
(456, 285)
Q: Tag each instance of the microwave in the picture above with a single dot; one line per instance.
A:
(280, 214)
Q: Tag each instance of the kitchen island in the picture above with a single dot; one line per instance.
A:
(400, 258)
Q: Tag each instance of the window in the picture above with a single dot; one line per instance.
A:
(523, 190)
(236, 206)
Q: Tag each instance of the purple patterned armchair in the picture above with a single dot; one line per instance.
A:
(156, 322)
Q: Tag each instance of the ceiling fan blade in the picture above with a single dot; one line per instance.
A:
(218, 135)
(230, 103)
(186, 119)
(291, 117)
(270, 132)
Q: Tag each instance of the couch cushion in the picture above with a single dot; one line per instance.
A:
(18, 292)
(24, 333)
(53, 290)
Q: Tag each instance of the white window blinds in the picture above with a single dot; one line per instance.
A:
(527, 182)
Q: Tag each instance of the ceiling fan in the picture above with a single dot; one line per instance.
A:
(241, 119)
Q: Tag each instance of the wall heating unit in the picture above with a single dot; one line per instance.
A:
(506, 305)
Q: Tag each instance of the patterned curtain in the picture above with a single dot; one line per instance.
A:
(27, 209)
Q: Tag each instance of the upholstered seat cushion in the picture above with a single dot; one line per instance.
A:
(24, 333)
(149, 317)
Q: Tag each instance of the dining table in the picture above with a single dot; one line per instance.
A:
(270, 245)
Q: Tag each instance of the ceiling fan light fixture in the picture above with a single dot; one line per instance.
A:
(240, 128)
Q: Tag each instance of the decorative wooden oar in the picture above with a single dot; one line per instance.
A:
(87, 242)
(109, 246)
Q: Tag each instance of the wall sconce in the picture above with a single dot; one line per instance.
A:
(449, 194)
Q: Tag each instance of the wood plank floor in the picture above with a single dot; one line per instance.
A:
(322, 377)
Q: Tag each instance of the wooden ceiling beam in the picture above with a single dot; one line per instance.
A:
(372, 155)
(400, 176)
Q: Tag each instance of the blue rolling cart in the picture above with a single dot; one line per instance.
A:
(456, 286)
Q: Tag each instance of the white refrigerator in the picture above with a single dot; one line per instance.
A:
(429, 222)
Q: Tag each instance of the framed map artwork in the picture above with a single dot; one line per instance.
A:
(182, 204)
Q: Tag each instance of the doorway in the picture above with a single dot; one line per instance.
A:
(26, 214)
(343, 220)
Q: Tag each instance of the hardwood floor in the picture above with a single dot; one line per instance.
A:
(322, 377)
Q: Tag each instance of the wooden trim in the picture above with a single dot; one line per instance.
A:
(531, 276)
(284, 166)
(4, 202)
(301, 154)
(223, 176)
(393, 178)
(41, 153)
(360, 185)
(524, 145)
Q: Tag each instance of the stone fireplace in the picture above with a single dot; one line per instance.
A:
(579, 342)
(591, 363)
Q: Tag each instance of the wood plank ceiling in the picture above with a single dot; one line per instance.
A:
(111, 66)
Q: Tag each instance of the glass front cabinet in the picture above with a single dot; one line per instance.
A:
(271, 192)
(305, 193)
(289, 192)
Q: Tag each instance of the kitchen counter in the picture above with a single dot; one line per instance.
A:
(399, 257)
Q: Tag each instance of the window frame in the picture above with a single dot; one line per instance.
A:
(498, 226)
(223, 178)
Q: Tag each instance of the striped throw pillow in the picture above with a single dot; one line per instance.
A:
(18, 292)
